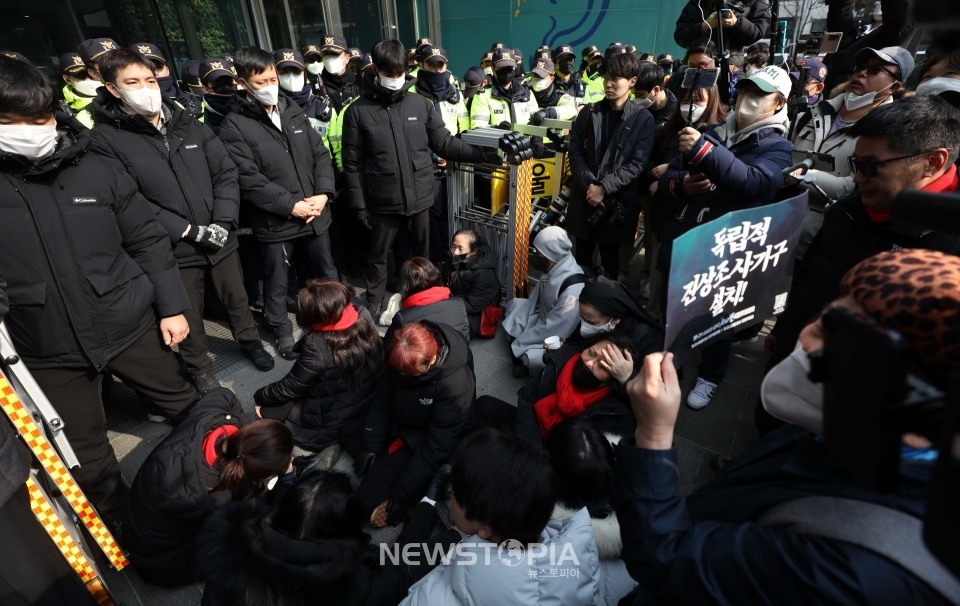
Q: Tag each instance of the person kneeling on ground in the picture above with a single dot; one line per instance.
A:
(575, 382)
(424, 297)
(583, 459)
(325, 397)
(310, 548)
(423, 409)
(503, 492)
(474, 277)
(730, 541)
(211, 457)
(550, 310)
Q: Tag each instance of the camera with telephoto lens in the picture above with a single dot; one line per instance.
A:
(552, 212)
(611, 211)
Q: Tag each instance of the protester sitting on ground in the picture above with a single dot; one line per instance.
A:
(211, 457)
(583, 380)
(606, 307)
(502, 494)
(423, 409)
(733, 166)
(940, 75)
(826, 128)
(724, 543)
(910, 144)
(325, 397)
(474, 275)
(310, 548)
(582, 457)
(424, 297)
(550, 310)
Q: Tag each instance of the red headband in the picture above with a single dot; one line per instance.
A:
(347, 319)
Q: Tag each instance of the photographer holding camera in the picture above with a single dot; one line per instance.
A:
(744, 22)
(610, 145)
(750, 535)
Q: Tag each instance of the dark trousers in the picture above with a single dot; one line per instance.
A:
(34, 572)
(385, 228)
(521, 419)
(714, 360)
(377, 483)
(278, 257)
(251, 262)
(150, 369)
(227, 280)
(609, 256)
(439, 223)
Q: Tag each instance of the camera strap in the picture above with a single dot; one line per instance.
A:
(890, 533)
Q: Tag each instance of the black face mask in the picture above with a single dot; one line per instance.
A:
(583, 379)
(168, 88)
(458, 259)
(566, 67)
(594, 66)
(538, 262)
(504, 76)
(225, 88)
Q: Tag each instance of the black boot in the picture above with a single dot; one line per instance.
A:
(437, 489)
(285, 348)
(260, 358)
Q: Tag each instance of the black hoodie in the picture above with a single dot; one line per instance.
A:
(245, 561)
(475, 280)
(432, 413)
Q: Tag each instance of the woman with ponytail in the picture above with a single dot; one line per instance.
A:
(211, 458)
(325, 397)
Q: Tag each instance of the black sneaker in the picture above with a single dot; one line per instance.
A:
(205, 381)
(374, 309)
(260, 358)
(285, 348)
(437, 489)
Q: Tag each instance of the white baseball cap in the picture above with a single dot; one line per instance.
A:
(770, 79)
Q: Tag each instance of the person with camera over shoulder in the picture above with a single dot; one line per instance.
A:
(610, 145)
(753, 534)
(732, 166)
(743, 22)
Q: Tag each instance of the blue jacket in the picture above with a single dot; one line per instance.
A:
(706, 548)
(746, 175)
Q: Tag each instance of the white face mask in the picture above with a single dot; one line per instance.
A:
(935, 86)
(392, 83)
(28, 140)
(315, 67)
(333, 65)
(697, 111)
(789, 395)
(588, 330)
(752, 108)
(291, 82)
(145, 101)
(268, 95)
(540, 84)
(645, 103)
(855, 102)
(488, 70)
(87, 88)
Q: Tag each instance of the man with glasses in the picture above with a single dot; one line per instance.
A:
(826, 128)
(910, 144)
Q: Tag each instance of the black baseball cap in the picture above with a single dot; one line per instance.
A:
(423, 42)
(148, 50)
(614, 49)
(354, 52)
(496, 45)
(518, 55)
(71, 63)
(288, 57)
(431, 54)
(504, 57)
(17, 56)
(89, 50)
(543, 68)
(560, 51)
(474, 77)
(310, 50)
(191, 72)
(364, 62)
(337, 44)
(212, 69)
(590, 52)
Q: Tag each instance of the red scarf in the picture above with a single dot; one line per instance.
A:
(568, 401)
(426, 297)
(348, 317)
(210, 452)
(946, 183)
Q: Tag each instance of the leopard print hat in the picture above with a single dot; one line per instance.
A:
(917, 293)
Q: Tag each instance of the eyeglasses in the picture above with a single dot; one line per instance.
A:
(869, 167)
(873, 70)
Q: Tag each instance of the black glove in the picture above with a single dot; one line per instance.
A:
(492, 158)
(363, 462)
(537, 118)
(396, 512)
(364, 218)
(539, 149)
(504, 126)
(211, 236)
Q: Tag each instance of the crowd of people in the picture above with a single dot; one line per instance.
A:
(262, 181)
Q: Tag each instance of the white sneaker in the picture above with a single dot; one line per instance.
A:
(702, 394)
(645, 291)
(155, 418)
(393, 306)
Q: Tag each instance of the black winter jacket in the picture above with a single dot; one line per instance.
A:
(619, 169)
(451, 312)
(611, 415)
(170, 498)
(84, 259)
(324, 401)
(186, 174)
(340, 89)
(475, 281)
(388, 137)
(847, 236)
(432, 413)
(752, 24)
(244, 560)
(278, 168)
